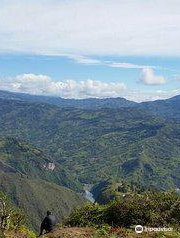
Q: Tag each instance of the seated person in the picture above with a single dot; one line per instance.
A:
(49, 223)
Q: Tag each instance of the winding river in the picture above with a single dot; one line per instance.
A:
(88, 194)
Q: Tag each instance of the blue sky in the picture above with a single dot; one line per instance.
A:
(76, 49)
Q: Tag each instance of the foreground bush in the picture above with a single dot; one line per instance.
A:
(150, 208)
(12, 221)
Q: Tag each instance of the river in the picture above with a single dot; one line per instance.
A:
(88, 194)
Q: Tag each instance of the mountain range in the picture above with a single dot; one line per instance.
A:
(50, 145)
(167, 108)
(62, 102)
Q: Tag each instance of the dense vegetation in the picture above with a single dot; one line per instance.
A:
(113, 220)
(23, 176)
(29, 160)
(35, 197)
(110, 189)
(119, 147)
(168, 109)
(12, 220)
(94, 145)
(151, 209)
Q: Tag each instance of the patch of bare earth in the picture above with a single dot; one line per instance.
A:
(74, 232)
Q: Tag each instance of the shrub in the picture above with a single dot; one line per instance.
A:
(10, 217)
(150, 208)
(90, 214)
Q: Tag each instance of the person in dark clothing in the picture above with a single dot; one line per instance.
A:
(49, 223)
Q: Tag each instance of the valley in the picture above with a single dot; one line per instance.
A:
(48, 152)
(89, 119)
(95, 144)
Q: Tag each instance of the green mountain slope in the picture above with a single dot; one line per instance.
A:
(168, 109)
(125, 143)
(29, 160)
(35, 197)
(23, 174)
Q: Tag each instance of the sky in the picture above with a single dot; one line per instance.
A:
(90, 48)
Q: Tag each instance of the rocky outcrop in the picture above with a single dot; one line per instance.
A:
(49, 166)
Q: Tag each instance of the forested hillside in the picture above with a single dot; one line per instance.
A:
(31, 161)
(168, 109)
(93, 145)
(35, 197)
(45, 149)
(23, 174)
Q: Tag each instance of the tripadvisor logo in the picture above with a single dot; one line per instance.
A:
(139, 229)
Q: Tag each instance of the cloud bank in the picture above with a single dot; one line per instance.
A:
(142, 96)
(44, 85)
(90, 27)
(148, 77)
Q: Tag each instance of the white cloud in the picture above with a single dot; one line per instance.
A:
(142, 96)
(83, 59)
(148, 77)
(129, 65)
(113, 64)
(117, 27)
(44, 85)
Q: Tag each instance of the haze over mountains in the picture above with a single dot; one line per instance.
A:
(78, 103)
(49, 142)
(167, 108)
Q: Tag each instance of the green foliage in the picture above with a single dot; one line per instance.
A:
(35, 197)
(90, 214)
(23, 176)
(93, 145)
(25, 230)
(29, 160)
(126, 144)
(153, 209)
(168, 109)
(11, 217)
(111, 189)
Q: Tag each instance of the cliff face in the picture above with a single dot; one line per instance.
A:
(49, 166)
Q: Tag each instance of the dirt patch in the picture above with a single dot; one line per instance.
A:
(74, 232)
